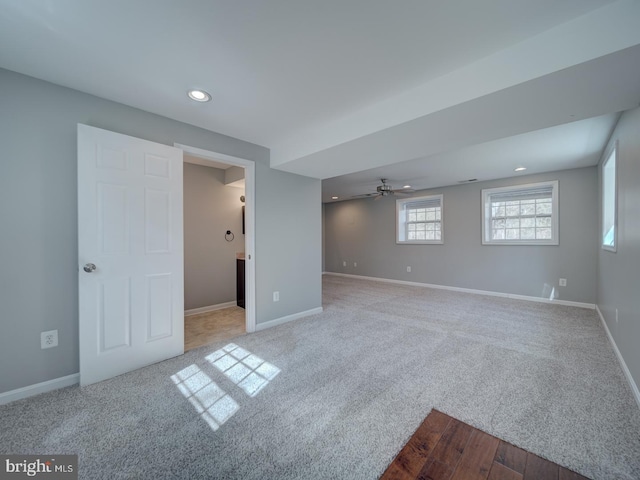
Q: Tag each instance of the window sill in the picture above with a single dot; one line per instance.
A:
(419, 242)
(532, 243)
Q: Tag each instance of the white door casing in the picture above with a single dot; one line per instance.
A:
(250, 265)
(131, 307)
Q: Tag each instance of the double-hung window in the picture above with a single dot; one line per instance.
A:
(419, 220)
(609, 202)
(521, 215)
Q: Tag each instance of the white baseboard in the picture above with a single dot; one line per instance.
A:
(623, 364)
(38, 388)
(210, 308)
(469, 290)
(69, 380)
(288, 318)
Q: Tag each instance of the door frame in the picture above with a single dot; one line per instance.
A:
(249, 236)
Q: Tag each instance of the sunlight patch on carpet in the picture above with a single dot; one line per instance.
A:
(246, 370)
(211, 402)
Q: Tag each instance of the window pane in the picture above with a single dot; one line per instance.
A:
(513, 209)
(610, 237)
(543, 207)
(498, 235)
(513, 234)
(609, 201)
(499, 223)
(528, 233)
(513, 223)
(528, 207)
(543, 233)
(543, 222)
(527, 222)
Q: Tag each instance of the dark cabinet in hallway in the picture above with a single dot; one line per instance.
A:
(240, 282)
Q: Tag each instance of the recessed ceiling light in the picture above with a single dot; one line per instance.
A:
(407, 186)
(520, 169)
(199, 95)
(334, 198)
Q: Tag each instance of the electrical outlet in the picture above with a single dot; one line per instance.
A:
(344, 264)
(563, 282)
(409, 269)
(355, 264)
(49, 339)
(276, 296)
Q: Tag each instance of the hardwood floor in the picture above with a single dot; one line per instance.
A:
(209, 327)
(444, 448)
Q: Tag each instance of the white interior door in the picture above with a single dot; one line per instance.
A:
(131, 280)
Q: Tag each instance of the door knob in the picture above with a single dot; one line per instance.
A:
(89, 267)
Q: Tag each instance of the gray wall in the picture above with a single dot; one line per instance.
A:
(363, 231)
(619, 272)
(38, 214)
(210, 209)
(287, 207)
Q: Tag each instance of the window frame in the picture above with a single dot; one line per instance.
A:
(486, 194)
(401, 221)
(611, 153)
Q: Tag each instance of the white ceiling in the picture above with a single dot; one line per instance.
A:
(436, 89)
(573, 145)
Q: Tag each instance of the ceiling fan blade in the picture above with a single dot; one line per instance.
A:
(398, 193)
(364, 195)
(378, 197)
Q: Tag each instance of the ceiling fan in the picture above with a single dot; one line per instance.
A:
(386, 190)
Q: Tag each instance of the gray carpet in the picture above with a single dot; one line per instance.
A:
(336, 395)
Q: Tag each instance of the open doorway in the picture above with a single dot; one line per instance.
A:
(218, 234)
(214, 250)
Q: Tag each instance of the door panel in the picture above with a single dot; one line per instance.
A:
(113, 220)
(159, 295)
(157, 221)
(130, 227)
(114, 314)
